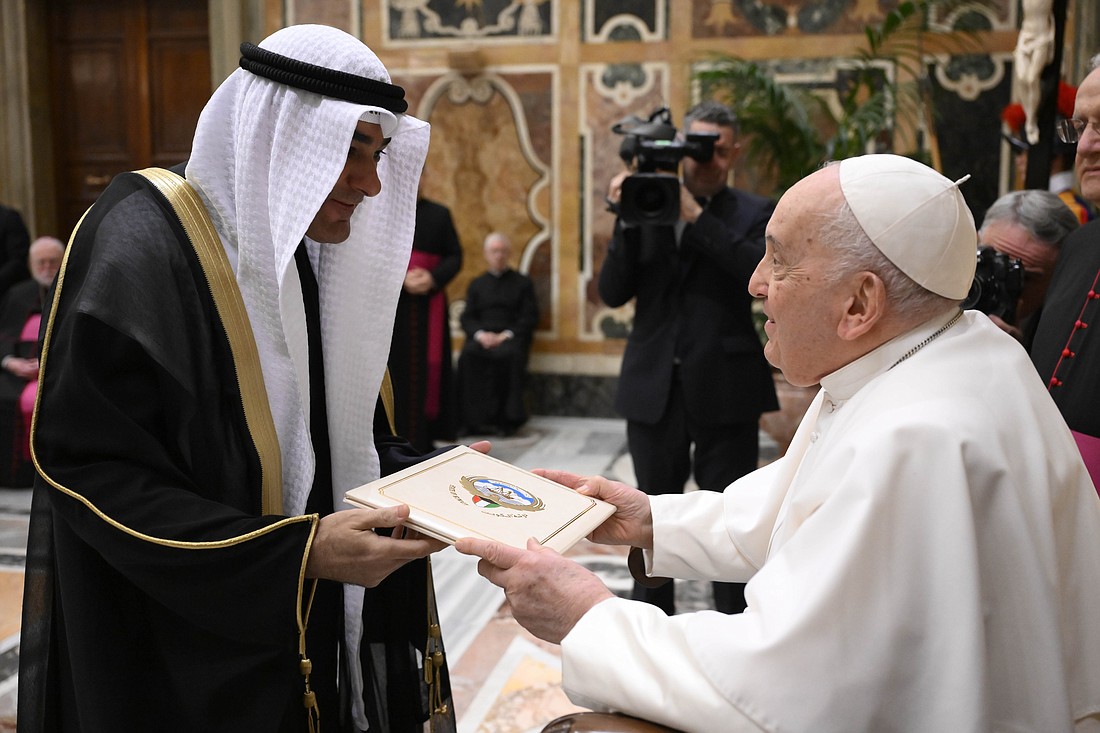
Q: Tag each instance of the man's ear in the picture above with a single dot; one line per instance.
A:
(735, 154)
(865, 307)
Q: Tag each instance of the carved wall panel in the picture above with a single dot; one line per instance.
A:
(521, 95)
(490, 162)
(484, 21)
(625, 20)
(610, 93)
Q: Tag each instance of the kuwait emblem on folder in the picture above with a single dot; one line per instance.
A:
(491, 493)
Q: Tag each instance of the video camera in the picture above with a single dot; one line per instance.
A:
(652, 195)
(998, 281)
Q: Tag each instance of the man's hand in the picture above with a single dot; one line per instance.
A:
(347, 549)
(689, 207)
(548, 593)
(490, 340)
(632, 522)
(22, 368)
(418, 281)
(615, 187)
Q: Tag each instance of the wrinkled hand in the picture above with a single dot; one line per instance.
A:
(632, 522)
(547, 592)
(346, 548)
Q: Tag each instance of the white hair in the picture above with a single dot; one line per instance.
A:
(47, 240)
(854, 252)
(496, 236)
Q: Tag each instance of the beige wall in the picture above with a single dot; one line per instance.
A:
(520, 103)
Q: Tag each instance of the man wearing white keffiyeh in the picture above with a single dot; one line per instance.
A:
(169, 536)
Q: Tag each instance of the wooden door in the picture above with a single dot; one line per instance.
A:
(129, 78)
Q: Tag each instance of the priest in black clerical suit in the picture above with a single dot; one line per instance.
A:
(694, 379)
(499, 320)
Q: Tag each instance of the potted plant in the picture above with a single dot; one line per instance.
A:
(879, 99)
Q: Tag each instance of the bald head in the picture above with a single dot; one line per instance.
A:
(44, 259)
(1087, 108)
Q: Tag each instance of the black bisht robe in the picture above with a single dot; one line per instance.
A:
(158, 597)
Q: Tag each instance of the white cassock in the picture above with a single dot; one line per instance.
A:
(925, 557)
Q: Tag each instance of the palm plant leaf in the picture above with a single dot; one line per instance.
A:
(775, 118)
(781, 120)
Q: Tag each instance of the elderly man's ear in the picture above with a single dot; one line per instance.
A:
(865, 307)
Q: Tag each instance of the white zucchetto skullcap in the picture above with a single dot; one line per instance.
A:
(916, 217)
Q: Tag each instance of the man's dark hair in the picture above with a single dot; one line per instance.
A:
(713, 112)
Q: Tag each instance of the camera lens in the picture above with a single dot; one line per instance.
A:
(650, 198)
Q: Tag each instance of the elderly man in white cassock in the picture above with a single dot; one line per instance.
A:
(209, 389)
(925, 557)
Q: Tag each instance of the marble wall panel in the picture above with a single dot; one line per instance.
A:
(609, 93)
(738, 18)
(974, 89)
(342, 14)
(516, 89)
(490, 159)
(484, 21)
(625, 20)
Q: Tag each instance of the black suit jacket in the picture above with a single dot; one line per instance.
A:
(693, 307)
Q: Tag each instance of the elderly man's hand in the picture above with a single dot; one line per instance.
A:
(346, 547)
(548, 593)
(632, 522)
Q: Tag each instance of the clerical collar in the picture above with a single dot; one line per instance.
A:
(1061, 181)
(318, 79)
(849, 379)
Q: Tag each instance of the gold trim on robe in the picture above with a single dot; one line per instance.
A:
(230, 306)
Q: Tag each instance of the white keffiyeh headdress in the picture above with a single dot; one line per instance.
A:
(266, 156)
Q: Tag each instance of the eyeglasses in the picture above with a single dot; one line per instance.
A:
(1073, 129)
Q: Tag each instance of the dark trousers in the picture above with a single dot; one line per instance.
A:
(663, 458)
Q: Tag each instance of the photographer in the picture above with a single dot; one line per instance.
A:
(1028, 226)
(694, 370)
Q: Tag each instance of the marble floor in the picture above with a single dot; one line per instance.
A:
(504, 680)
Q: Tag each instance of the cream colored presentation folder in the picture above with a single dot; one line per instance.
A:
(463, 493)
